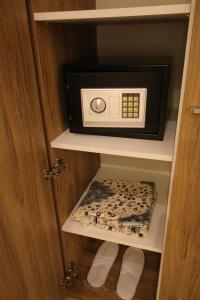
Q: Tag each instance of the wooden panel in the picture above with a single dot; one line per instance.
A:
(30, 257)
(146, 289)
(56, 5)
(181, 265)
(81, 167)
(56, 44)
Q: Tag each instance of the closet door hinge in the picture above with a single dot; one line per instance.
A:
(56, 169)
(70, 273)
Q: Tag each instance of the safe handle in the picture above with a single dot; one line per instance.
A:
(195, 110)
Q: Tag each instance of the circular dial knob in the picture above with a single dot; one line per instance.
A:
(98, 105)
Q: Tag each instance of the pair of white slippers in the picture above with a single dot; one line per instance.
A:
(131, 270)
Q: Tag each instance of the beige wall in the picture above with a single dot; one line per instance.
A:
(129, 3)
(146, 39)
(136, 163)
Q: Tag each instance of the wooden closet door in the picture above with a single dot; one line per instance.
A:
(181, 265)
(30, 257)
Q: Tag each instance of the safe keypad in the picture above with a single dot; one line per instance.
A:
(130, 105)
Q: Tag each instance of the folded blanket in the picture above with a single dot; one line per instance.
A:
(118, 205)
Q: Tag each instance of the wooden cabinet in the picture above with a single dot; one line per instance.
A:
(181, 257)
(36, 246)
(30, 257)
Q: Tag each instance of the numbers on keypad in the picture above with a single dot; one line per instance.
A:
(130, 105)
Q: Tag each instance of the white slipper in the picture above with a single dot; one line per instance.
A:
(131, 271)
(102, 263)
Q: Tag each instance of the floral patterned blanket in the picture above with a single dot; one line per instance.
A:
(118, 205)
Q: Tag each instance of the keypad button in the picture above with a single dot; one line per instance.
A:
(130, 105)
(124, 115)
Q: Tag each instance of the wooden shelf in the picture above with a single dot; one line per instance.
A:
(115, 14)
(154, 240)
(158, 150)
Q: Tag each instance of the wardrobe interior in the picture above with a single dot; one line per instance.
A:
(58, 43)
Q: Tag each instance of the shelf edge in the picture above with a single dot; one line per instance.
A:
(114, 13)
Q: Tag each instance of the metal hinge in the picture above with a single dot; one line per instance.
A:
(70, 273)
(195, 110)
(56, 169)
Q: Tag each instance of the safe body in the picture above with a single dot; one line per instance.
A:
(117, 100)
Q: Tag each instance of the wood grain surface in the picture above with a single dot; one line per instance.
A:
(30, 256)
(181, 276)
(55, 45)
(55, 5)
(146, 289)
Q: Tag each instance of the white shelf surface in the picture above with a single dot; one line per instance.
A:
(140, 148)
(154, 240)
(115, 14)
